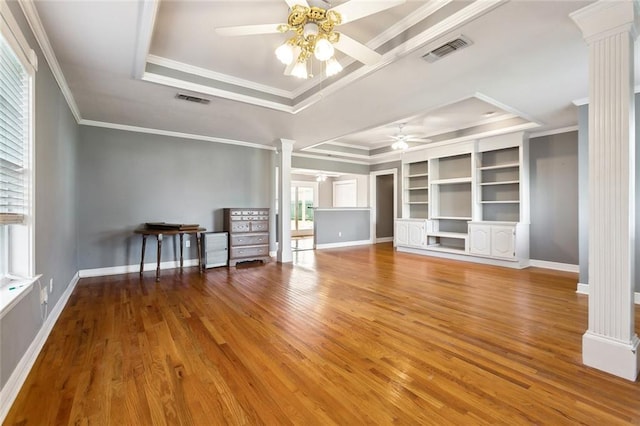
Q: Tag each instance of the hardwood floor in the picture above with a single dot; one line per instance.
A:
(343, 336)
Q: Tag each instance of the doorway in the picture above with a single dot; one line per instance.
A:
(384, 205)
(304, 197)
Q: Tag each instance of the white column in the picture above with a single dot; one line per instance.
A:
(285, 147)
(610, 344)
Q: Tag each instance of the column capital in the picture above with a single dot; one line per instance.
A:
(285, 145)
(605, 17)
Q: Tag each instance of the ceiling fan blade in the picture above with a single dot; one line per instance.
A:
(356, 9)
(292, 3)
(357, 50)
(248, 30)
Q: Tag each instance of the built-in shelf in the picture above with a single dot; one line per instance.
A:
(459, 235)
(445, 249)
(418, 175)
(505, 182)
(417, 202)
(500, 166)
(452, 181)
(501, 202)
(418, 188)
(451, 218)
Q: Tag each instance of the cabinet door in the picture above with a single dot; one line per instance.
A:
(402, 233)
(416, 234)
(503, 241)
(480, 239)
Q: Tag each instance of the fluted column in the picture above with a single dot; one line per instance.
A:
(285, 147)
(610, 344)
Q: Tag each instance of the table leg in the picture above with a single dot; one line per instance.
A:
(200, 265)
(181, 239)
(159, 256)
(144, 244)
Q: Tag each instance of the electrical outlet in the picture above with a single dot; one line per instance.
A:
(43, 296)
(187, 243)
(339, 234)
(51, 285)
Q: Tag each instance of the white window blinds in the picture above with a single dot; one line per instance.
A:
(13, 136)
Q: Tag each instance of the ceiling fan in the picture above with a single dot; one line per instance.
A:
(314, 35)
(401, 140)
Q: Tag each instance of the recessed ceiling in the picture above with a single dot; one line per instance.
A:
(122, 63)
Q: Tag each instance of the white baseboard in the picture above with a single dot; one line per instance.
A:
(566, 267)
(11, 389)
(344, 244)
(584, 289)
(127, 269)
(384, 240)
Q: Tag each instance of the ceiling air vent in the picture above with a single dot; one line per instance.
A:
(192, 98)
(446, 49)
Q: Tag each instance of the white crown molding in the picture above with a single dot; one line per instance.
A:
(340, 153)
(505, 107)
(585, 101)
(322, 157)
(16, 39)
(173, 134)
(554, 132)
(146, 23)
(181, 84)
(202, 72)
(343, 144)
(31, 14)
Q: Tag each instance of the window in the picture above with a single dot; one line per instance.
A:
(17, 67)
(345, 193)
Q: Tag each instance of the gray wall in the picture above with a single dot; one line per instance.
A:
(583, 192)
(341, 225)
(384, 206)
(553, 168)
(397, 165)
(126, 179)
(56, 145)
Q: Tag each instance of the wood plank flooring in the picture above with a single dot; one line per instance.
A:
(343, 336)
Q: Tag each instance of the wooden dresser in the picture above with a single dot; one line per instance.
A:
(248, 230)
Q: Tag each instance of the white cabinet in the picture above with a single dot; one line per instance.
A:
(503, 241)
(480, 239)
(497, 239)
(410, 233)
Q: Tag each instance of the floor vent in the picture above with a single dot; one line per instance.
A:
(446, 49)
(192, 98)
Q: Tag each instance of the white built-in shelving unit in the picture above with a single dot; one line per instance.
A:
(468, 200)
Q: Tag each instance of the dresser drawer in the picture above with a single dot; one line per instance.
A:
(259, 226)
(248, 240)
(240, 226)
(249, 251)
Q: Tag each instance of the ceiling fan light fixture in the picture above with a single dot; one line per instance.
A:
(333, 67)
(300, 70)
(284, 53)
(323, 50)
(399, 145)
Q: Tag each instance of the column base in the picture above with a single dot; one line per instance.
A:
(611, 356)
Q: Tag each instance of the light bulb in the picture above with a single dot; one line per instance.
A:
(323, 49)
(333, 67)
(285, 53)
(300, 70)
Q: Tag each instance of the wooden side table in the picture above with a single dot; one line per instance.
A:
(160, 233)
